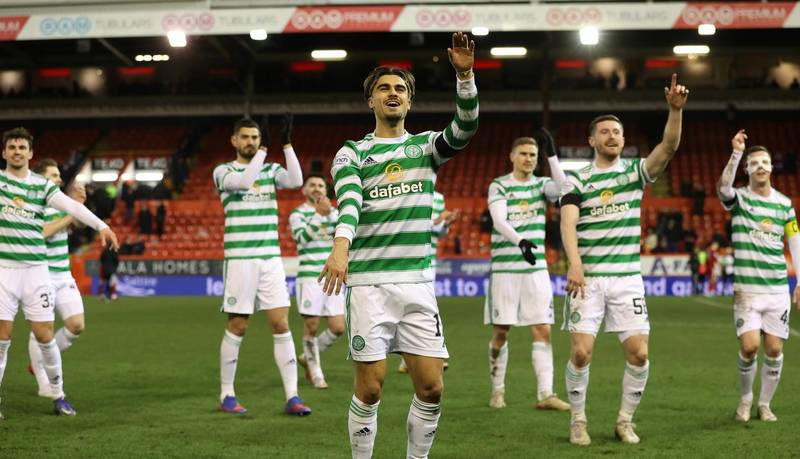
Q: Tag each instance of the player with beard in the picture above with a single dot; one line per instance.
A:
(601, 232)
(313, 223)
(254, 276)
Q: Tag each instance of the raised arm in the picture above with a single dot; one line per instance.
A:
(227, 179)
(656, 163)
(457, 134)
(725, 184)
(292, 177)
(552, 190)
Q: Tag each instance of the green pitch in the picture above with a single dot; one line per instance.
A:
(144, 379)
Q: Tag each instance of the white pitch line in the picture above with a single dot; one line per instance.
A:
(729, 307)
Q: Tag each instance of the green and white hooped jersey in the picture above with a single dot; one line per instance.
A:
(57, 248)
(251, 217)
(609, 226)
(313, 234)
(526, 214)
(22, 211)
(760, 226)
(385, 191)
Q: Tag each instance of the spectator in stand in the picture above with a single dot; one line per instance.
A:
(128, 190)
(694, 268)
(698, 200)
(161, 216)
(713, 268)
(486, 221)
(702, 271)
(650, 241)
(145, 219)
(109, 262)
(726, 262)
(686, 188)
(689, 239)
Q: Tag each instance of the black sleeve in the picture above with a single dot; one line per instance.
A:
(444, 150)
(570, 198)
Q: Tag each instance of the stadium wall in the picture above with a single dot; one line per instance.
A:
(665, 275)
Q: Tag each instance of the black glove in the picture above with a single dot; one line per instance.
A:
(527, 251)
(264, 128)
(287, 122)
(546, 143)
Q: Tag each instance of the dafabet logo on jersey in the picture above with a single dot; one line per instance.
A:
(394, 173)
(18, 209)
(765, 232)
(608, 207)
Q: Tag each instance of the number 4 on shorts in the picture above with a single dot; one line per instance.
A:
(785, 317)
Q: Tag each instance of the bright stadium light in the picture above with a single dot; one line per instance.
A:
(589, 35)
(177, 38)
(691, 50)
(139, 58)
(104, 176)
(480, 31)
(258, 34)
(149, 176)
(706, 29)
(328, 54)
(508, 51)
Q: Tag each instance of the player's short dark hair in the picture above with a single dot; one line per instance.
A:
(524, 141)
(756, 149)
(245, 123)
(372, 79)
(600, 119)
(310, 176)
(18, 133)
(41, 166)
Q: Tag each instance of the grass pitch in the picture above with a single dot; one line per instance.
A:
(144, 379)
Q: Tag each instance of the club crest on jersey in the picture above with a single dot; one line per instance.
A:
(394, 172)
(623, 179)
(413, 151)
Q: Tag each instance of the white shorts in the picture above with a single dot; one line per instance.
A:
(394, 318)
(68, 297)
(312, 300)
(254, 285)
(519, 299)
(30, 287)
(762, 311)
(620, 300)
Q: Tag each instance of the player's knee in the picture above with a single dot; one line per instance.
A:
(430, 392)
(773, 351)
(500, 336)
(237, 328)
(638, 357)
(749, 350)
(75, 328)
(581, 357)
(369, 392)
(280, 327)
(336, 329)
